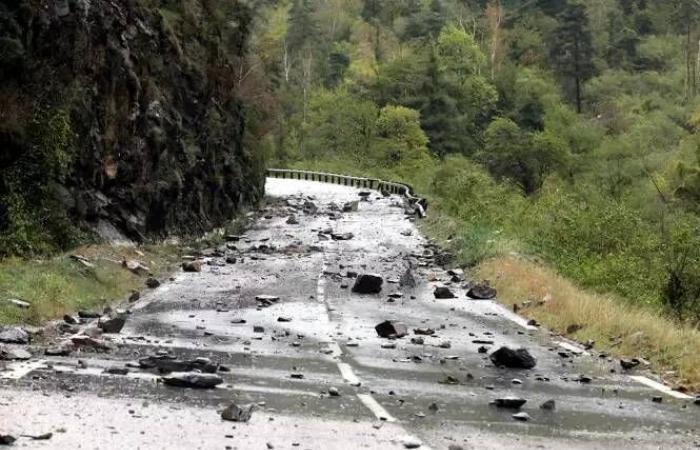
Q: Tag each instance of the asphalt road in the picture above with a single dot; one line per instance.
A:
(407, 395)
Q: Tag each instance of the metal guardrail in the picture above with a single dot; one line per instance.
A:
(420, 204)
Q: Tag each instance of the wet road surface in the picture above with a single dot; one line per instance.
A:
(286, 355)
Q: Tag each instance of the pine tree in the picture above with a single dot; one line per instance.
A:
(572, 50)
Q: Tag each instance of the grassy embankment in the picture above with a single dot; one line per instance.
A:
(55, 285)
(504, 253)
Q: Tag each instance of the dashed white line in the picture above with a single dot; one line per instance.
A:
(377, 409)
(348, 374)
(660, 387)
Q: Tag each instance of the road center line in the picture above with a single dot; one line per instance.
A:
(377, 409)
(348, 374)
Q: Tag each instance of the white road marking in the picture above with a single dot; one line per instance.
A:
(660, 387)
(572, 347)
(18, 370)
(348, 374)
(377, 409)
(510, 315)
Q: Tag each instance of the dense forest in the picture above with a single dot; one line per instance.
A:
(562, 130)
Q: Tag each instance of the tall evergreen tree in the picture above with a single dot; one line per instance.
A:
(572, 50)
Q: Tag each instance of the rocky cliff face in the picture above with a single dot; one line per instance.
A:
(121, 114)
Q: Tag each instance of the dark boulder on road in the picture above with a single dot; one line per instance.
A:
(6, 439)
(368, 284)
(509, 402)
(513, 359)
(112, 324)
(391, 329)
(192, 266)
(482, 291)
(193, 380)
(235, 413)
(442, 292)
(168, 363)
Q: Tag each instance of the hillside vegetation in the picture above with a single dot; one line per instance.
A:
(558, 132)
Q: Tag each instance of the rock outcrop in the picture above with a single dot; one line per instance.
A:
(123, 118)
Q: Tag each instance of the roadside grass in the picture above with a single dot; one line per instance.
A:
(617, 327)
(58, 285)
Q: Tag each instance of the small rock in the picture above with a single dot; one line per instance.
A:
(192, 266)
(629, 364)
(368, 284)
(342, 237)
(112, 325)
(193, 380)
(258, 329)
(116, 371)
(549, 405)
(63, 349)
(230, 260)
(292, 220)
(67, 318)
(513, 359)
(87, 341)
(417, 341)
(510, 402)
(152, 283)
(134, 297)
(40, 437)
(235, 413)
(482, 349)
(657, 399)
(284, 319)
(89, 314)
(455, 447)
(6, 439)
(333, 392)
(391, 329)
(411, 443)
(482, 291)
(522, 416)
(351, 206)
(424, 331)
(443, 292)
(136, 267)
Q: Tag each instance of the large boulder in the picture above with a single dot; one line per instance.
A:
(482, 291)
(368, 284)
(513, 359)
(443, 293)
(13, 335)
(112, 324)
(391, 329)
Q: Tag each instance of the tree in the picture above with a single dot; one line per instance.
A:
(525, 159)
(572, 50)
(401, 139)
(458, 53)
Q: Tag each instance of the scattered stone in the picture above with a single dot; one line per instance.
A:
(457, 275)
(80, 259)
(351, 206)
(533, 323)
(18, 303)
(89, 314)
(455, 447)
(135, 267)
(423, 331)
(192, 266)
(443, 292)
(657, 399)
(549, 405)
(509, 402)
(6, 439)
(292, 220)
(258, 329)
(116, 371)
(333, 392)
(284, 319)
(411, 443)
(167, 363)
(39, 437)
(297, 376)
(389, 345)
(483, 349)
(134, 297)
(112, 325)
(584, 379)
(63, 349)
(235, 413)
(368, 284)
(14, 354)
(193, 380)
(87, 341)
(417, 341)
(522, 416)
(516, 381)
(13, 335)
(482, 291)
(407, 279)
(342, 237)
(629, 364)
(391, 329)
(67, 318)
(152, 283)
(697, 400)
(238, 321)
(230, 260)
(513, 359)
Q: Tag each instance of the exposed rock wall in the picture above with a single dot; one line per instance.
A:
(121, 113)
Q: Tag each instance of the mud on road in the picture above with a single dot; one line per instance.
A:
(277, 320)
